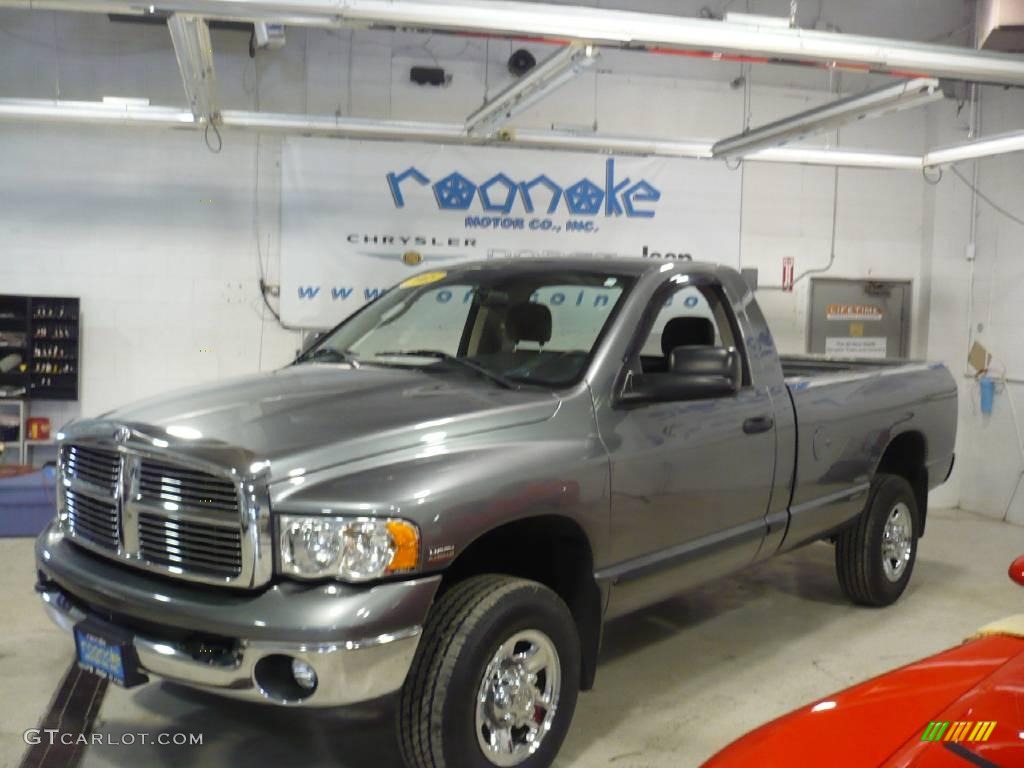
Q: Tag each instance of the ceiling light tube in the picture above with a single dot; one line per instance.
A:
(756, 20)
(49, 110)
(891, 98)
(43, 110)
(625, 145)
(348, 127)
(842, 158)
(1000, 144)
(536, 84)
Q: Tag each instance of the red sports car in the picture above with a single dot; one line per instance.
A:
(962, 707)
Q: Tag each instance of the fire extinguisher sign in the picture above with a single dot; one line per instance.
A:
(788, 265)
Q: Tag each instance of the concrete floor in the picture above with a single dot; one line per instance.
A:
(678, 681)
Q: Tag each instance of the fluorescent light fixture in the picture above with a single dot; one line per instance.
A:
(882, 101)
(350, 127)
(438, 133)
(756, 20)
(623, 145)
(546, 77)
(192, 47)
(843, 158)
(1001, 144)
(49, 110)
(126, 101)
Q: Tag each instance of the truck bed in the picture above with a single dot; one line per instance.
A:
(812, 366)
(847, 413)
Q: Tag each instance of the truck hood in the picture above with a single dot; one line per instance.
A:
(311, 416)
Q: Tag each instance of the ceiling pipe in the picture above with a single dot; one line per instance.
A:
(563, 23)
(100, 113)
(989, 146)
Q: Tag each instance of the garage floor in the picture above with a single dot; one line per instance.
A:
(678, 681)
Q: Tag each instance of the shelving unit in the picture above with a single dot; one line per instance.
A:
(54, 335)
(15, 346)
(18, 444)
(32, 448)
(44, 331)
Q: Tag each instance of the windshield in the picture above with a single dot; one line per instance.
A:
(513, 325)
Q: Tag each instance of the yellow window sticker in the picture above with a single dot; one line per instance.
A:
(425, 279)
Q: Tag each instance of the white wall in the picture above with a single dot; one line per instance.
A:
(990, 456)
(156, 236)
(117, 216)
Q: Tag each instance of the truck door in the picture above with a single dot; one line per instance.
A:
(691, 480)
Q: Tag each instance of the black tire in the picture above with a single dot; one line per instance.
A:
(860, 562)
(437, 707)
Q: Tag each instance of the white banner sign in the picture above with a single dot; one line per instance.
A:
(358, 217)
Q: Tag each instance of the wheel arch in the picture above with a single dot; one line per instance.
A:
(551, 549)
(906, 456)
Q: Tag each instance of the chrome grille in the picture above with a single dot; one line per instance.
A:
(193, 546)
(92, 519)
(93, 465)
(153, 512)
(166, 484)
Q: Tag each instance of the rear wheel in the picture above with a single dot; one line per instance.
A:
(495, 678)
(875, 555)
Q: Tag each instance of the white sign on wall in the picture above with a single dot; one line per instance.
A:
(358, 217)
(856, 346)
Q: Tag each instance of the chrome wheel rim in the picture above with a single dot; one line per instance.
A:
(897, 541)
(518, 697)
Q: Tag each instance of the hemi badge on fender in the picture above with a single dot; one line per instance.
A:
(443, 552)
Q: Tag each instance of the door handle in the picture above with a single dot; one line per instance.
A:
(758, 424)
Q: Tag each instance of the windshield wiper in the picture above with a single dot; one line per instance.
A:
(437, 354)
(328, 354)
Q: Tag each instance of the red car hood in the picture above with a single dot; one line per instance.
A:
(881, 722)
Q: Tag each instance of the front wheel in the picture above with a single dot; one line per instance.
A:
(875, 555)
(495, 678)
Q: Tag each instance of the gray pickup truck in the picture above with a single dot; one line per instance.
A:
(450, 493)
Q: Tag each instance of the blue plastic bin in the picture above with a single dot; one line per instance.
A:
(27, 503)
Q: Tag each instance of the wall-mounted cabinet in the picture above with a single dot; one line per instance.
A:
(39, 347)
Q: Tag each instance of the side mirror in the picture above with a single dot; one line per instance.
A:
(309, 338)
(695, 373)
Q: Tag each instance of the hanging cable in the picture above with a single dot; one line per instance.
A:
(206, 136)
(934, 178)
(982, 196)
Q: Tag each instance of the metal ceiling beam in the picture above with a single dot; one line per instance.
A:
(192, 47)
(554, 72)
(98, 113)
(881, 101)
(565, 23)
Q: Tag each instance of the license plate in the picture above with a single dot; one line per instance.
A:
(108, 652)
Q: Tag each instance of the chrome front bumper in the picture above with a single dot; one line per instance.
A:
(346, 673)
(360, 642)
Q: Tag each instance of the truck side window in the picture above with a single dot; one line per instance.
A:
(692, 315)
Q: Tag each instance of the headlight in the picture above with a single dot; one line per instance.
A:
(353, 549)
